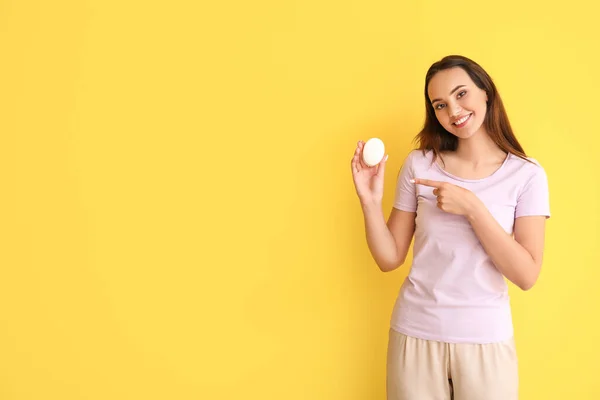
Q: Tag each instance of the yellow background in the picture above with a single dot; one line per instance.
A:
(178, 220)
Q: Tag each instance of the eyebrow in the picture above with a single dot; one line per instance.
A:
(453, 90)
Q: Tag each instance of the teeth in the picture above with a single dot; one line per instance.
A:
(460, 121)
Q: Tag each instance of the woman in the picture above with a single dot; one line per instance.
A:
(476, 206)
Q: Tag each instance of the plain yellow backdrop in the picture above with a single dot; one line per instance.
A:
(178, 219)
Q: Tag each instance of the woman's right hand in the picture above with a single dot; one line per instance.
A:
(368, 181)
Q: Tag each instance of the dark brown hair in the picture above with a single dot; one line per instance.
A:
(434, 137)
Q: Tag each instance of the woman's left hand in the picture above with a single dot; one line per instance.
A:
(451, 198)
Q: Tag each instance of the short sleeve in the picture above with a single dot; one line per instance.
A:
(534, 196)
(405, 197)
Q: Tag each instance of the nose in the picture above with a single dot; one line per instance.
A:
(454, 109)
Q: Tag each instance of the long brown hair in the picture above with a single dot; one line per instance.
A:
(434, 137)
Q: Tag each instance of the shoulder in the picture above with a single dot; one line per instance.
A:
(526, 168)
(418, 157)
(528, 175)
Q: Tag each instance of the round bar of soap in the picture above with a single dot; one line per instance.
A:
(373, 151)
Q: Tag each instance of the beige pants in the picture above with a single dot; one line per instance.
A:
(420, 369)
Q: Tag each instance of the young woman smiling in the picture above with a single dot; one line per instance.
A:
(476, 206)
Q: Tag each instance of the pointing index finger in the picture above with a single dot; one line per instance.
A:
(427, 182)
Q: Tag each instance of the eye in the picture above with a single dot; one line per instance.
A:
(439, 106)
(462, 93)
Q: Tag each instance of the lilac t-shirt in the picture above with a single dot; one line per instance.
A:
(453, 292)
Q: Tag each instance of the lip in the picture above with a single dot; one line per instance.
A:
(461, 117)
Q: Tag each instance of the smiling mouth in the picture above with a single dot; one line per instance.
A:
(463, 121)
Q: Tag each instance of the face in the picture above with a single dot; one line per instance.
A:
(459, 105)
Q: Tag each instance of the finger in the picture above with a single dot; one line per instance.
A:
(360, 145)
(381, 166)
(355, 160)
(427, 182)
(436, 192)
(355, 164)
(363, 165)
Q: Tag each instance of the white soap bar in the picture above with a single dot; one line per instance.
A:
(373, 151)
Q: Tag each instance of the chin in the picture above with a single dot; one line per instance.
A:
(463, 133)
(459, 133)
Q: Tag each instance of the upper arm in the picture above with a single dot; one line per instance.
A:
(532, 211)
(401, 221)
(530, 233)
(402, 226)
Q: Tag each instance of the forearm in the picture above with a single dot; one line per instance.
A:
(379, 238)
(511, 259)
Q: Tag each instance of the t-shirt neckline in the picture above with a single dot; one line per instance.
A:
(458, 178)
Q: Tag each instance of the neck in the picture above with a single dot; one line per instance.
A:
(479, 148)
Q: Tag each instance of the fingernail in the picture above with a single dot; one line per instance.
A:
(386, 157)
(412, 181)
